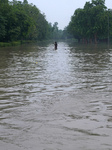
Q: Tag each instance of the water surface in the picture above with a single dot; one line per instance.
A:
(56, 99)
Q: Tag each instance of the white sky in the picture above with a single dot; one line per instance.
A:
(61, 10)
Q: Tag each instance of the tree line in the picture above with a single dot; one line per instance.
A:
(91, 23)
(23, 21)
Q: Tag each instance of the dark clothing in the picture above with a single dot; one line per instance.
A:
(55, 44)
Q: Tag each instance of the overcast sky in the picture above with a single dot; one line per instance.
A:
(61, 10)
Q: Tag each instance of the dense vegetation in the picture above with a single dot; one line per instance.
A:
(92, 23)
(22, 21)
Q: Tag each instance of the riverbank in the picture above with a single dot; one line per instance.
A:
(6, 44)
(14, 43)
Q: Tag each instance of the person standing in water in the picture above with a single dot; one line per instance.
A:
(55, 44)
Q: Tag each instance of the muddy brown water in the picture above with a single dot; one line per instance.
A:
(56, 99)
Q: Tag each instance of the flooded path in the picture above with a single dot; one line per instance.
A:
(56, 99)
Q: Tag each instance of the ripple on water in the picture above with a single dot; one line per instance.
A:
(58, 99)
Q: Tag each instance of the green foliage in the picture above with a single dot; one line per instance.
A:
(110, 22)
(57, 33)
(22, 21)
(3, 1)
(25, 2)
(2, 27)
(91, 22)
(55, 30)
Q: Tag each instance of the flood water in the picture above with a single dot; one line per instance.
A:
(56, 99)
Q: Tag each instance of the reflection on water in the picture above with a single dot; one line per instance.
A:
(56, 99)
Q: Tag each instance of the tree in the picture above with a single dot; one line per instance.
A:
(25, 2)
(89, 22)
(3, 1)
(2, 28)
(98, 2)
(22, 21)
(55, 30)
(76, 26)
